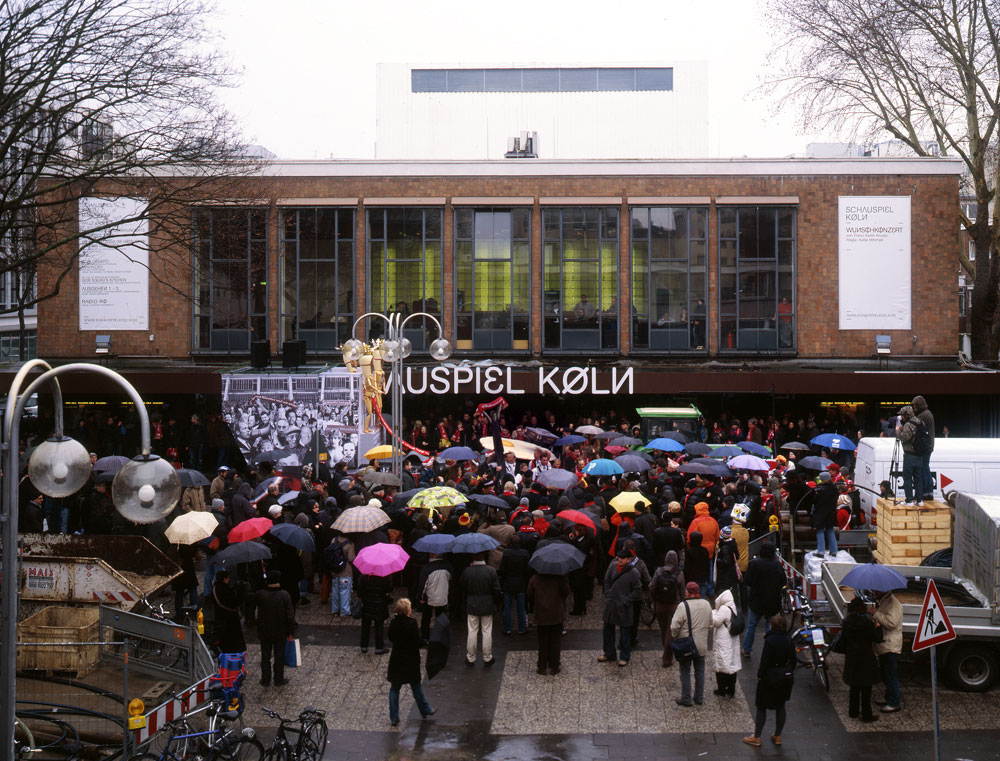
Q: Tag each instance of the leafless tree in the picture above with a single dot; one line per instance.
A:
(925, 72)
(109, 97)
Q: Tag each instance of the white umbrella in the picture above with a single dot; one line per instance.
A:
(588, 430)
(191, 527)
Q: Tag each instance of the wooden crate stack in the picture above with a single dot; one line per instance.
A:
(906, 534)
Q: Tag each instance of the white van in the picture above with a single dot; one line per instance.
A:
(967, 465)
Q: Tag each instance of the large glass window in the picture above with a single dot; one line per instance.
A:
(756, 278)
(404, 275)
(580, 260)
(230, 278)
(492, 279)
(668, 278)
(317, 276)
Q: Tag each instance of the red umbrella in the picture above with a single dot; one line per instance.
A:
(575, 516)
(250, 529)
(615, 450)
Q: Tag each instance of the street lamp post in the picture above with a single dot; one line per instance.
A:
(144, 490)
(394, 349)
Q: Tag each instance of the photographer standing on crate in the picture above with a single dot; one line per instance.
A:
(922, 411)
(911, 433)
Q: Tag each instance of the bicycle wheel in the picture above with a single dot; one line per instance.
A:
(819, 666)
(240, 748)
(314, 740)
(158, 744)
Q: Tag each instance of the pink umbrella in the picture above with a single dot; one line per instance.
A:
(381, 559)
(615, 449)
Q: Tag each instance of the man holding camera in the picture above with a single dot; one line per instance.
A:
(909, 434)
(926, 417)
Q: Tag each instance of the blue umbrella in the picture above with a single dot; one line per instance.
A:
(603, 467)
(665, 444)
(726, 451)
(436, 544)
(557, 478)
(874, 577)
(558, 558)
(813, 463)
(293, 536)
(571, 439)
(473, 543)
(833, 441)
(754, 448)
(457, 453)
(632, 463)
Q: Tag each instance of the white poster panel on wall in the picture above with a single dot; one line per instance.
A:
(874, 236)
(114, 264)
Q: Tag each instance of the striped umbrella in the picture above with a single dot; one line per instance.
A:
(360, 520)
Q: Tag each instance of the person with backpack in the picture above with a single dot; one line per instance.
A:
(667, 589)
(729, 625)
(337, 559)
(913, 437)
(925, 445)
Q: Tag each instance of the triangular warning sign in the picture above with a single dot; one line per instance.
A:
(934, 626)
(945, 481)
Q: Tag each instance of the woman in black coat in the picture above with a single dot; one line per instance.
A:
(774, 680)
(858, 637)
(374, 592)
(404, 661)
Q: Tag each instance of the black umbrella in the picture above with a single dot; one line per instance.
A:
(191, 479)
(271, 455)
(489, 499)
(675, 435)
(697, 448)
(557, 478)
(558, 558)
(795, 445)
(294, 536)
(813, 463)
(111, 464)
(607, 435)
(625, 441)
(242, 552)
(438, 645)
(706, 467)
(401, 498)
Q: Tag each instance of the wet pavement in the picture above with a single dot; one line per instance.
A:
(595, 711)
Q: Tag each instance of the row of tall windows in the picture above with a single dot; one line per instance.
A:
(580, 297)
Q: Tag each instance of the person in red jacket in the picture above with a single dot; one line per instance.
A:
(708, 527)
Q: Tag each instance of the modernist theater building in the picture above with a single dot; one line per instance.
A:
(755, 282)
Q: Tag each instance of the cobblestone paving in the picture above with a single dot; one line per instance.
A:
(602, 697)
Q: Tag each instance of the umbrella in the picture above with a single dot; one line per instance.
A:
(244, 552)
(748, 462)
(665, 444)
(111, 464)
(438, 645)
(486, 442)
(626, 441)
(436, 497)
(606, 435)
(381, 559)
(293, 536)
(191, 479)
(727, 450)
(104, 477)
(814, 463)
(571, 439)
(754, 448)
(539, 435)
(263, 486)
(380, 478)
(697, 448)
(795, 445)
(287, 497)
(588, 430)
(675, 435)
(603, 467)
(360, 520)
(705, 467)
(833, 441)
(557, 478)
(489, 499)
(525, 450)
(458, 453)
(625, 502)
(575, 516)
(383, 452)
(271, 455)
(250, 529)
(558, 558)
(191, 527)
(615, 450)
(436, 544)
(632, 463)
(874, 577)
(401, 498)
(473, 543)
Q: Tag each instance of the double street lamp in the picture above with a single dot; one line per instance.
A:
(393, 349)
(143, 491)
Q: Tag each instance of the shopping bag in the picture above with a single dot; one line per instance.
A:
(293, 653)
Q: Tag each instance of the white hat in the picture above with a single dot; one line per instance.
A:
(374, 503)
(274, 510)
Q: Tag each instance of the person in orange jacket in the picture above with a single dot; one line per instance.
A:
(708, 527)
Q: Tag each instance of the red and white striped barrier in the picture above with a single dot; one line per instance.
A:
(799, 581)
(190, 698)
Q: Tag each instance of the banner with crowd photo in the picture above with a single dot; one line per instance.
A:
(874, 236)
(301, 418)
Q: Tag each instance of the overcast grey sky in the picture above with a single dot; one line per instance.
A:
(309, 85)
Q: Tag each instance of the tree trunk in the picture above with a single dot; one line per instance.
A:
(984, 298)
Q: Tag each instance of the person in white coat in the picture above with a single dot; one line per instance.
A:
(727, 646)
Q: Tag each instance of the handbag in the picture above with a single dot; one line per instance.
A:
(737, 623)
(838, 645)
(684, 648)
(293, 653)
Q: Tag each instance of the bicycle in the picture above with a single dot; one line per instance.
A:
(311, 732)
(225, 737)
(811, 639)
